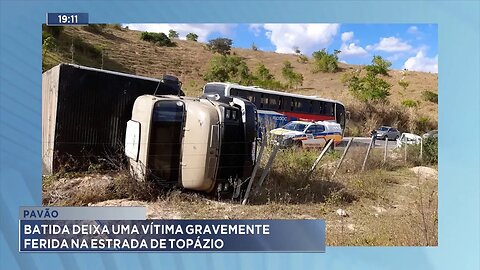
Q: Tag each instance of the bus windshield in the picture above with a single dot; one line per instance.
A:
(295, 126)
(213, 88)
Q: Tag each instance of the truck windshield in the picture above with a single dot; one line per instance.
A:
(295, 126)
(165, 140)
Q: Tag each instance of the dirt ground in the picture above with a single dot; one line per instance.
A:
(396, 208)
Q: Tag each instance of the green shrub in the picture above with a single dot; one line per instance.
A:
(86, 48)
(430, 150)
(49, 44)
(265, 79)
(158, 38)
(325, 62)
(192, 37)
(404, 84)
(172, 33)
(367, 88)
(95, 28)
(116, 26)
(378, 66)
(430, 96)
(409, 103)
(302, 59)
(55, 31)
(424, 124)
(231, 68)
(293, 78)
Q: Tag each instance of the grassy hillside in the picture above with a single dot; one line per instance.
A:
(123, 50)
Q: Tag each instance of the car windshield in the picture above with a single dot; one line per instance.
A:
(383, 128)
(295, 126)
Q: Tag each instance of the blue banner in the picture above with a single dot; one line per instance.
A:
(173, 235)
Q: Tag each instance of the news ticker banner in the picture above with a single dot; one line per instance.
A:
(123, 229)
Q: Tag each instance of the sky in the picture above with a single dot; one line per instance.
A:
(406, 46)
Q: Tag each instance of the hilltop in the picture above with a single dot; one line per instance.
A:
(123, 50)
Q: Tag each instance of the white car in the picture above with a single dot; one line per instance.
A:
(408, 138)
(308, 134)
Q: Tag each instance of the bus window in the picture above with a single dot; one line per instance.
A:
(239, 93)
(317, 107)
(257, 99)
(287, 104)
(328, 108)
(214, 88)
(303, 105)
(264, 101)
(273, 102)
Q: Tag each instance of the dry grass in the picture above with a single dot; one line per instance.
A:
(387, 204)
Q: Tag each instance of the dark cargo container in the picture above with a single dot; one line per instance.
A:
(85, 111)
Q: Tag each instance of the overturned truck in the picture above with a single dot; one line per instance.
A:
(206, 144)
(85, 112)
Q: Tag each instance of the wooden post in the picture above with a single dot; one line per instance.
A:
(405, 145)
(254, 173)
(385, 150)
(325, 149)
(421, 149)
(343, 156)
(269, 165)
(368, 153)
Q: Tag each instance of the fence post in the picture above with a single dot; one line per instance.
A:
(343, 156)
(268, 166)
(325, 149)
(385, 150)
(421, 149)
(406, 145)
(368, 153)
(254, 173)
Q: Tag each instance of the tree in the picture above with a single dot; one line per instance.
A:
(367, 88)
(379, 66)
(172, 33)
(192, 36)
(263, 73)
(265, 79)
(296, 50)
(254, 47)
(293, 78)
(158, 38)
(223, 68)
(220, 45)
(325, 62)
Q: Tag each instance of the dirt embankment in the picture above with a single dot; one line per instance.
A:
(390, 208)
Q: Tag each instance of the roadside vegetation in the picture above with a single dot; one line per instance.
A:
(391, 203)
(375, 200)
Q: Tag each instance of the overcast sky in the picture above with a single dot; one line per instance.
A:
(410, 46)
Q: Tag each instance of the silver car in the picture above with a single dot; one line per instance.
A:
(384, 132)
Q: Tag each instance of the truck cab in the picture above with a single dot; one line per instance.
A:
(196, 143)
